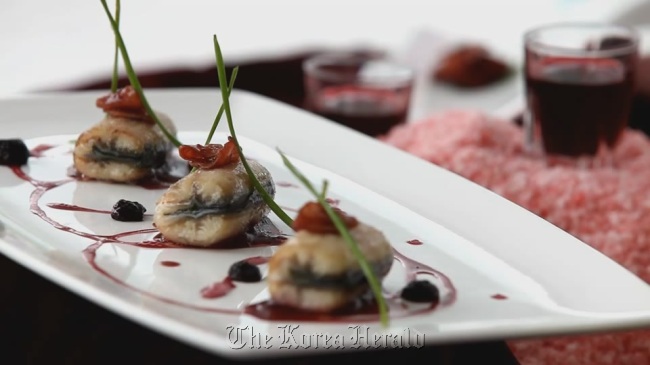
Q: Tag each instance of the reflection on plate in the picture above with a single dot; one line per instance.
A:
(502, 271)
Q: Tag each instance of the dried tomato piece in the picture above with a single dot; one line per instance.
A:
(312, 217)
(126, 103)
(470, 66)
(200, 156)
(229, 154)
(210, 156)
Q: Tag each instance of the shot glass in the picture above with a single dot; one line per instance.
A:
(370, 94)
(580, 81)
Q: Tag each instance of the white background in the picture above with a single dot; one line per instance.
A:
(47, 45)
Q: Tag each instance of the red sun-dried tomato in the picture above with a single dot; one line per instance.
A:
(125, 103)
(470, 66)
(312, 217)
(210, 156)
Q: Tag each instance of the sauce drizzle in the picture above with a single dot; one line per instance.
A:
(262, 234)
(414, 242)
(169, 263)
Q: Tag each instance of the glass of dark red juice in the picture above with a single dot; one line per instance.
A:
(370, 94)
(580, 80)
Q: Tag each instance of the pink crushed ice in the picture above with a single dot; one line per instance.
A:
(608, 208)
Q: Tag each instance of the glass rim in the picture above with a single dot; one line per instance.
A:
(530, 43)
(311, 66)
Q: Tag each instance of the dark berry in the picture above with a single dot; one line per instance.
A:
(13, 152)
(421, 291)
(128, 211)
(245, 271)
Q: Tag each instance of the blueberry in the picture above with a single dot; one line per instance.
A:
(128, 211)
(244, 271)
(421, 291)
(13, 152)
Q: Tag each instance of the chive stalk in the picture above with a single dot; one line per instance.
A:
(117, 50)
(222, 108)
(217, 118)
(221, 70)
(133, 78)
(374, 282)
(323, 192)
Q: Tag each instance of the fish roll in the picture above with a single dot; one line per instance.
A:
(216, 201)
(316, 270)
(125, 146)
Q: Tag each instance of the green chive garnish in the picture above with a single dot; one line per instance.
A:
(222, 108)
(221, 70)
(117, 50)
(323, 192)
(133, 78)
(375, 285)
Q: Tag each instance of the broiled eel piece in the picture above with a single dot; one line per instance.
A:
(125, 146)
(316, 270)
(215, 202)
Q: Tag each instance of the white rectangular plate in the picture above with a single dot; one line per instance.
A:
(514, 274)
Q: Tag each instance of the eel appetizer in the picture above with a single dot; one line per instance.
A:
(216, 201)
(315, 269)
(127, 145)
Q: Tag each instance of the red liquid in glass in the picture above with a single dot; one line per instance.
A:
(579, 105)
(365, 109)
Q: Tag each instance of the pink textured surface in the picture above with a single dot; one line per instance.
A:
(606, 207)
